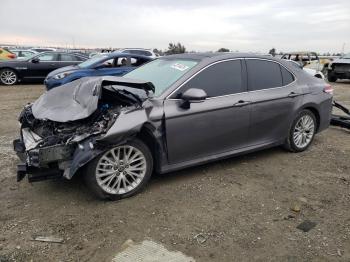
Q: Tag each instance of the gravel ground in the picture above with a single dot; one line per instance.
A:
(240, 209)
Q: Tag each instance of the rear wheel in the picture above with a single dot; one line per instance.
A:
(8, 77)
(302, 132)
(120, 172)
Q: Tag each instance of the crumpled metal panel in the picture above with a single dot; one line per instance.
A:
(79, 99)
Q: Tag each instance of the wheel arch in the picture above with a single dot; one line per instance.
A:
(13, 69)
(315, 111)
(148, 134)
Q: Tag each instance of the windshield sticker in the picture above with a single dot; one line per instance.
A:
(179, 66)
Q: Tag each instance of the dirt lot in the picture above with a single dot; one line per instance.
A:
(241, 207)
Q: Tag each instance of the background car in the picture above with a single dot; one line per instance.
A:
(6, 54)
(137, 51)
(23, 53)
(309, 60)
(111, 64)
(339, 69)
(310, 71)
(37, 67)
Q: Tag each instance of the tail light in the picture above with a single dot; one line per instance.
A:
(328, 89)
(11, 56)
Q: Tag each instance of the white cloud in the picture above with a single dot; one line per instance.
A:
(246, 25)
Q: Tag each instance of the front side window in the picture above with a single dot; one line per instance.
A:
(162, 73)
(263, 74)
(220, 79)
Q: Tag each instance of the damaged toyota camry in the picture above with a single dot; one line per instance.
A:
(175, 112)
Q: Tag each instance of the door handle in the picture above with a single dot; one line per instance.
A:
(293, 94)
(241, 103)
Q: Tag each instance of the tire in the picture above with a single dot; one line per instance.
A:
(8, 77)
(303, 129)
(331, 78)
(113, 180)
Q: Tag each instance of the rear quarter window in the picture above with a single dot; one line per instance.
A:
(287, 76)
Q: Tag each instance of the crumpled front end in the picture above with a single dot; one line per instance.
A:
(52, 146)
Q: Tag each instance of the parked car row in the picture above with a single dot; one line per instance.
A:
(56, 68)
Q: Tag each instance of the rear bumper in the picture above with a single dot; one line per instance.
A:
(339, 74)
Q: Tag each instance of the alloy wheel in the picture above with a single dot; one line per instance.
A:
(8, 77)
(304, 131)
(121, 169)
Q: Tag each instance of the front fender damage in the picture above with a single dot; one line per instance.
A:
(55, 144)
(126, 126)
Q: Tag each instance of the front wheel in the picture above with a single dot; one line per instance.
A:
(8, 77)
(120, 172)
(331, 78)
(302, 132)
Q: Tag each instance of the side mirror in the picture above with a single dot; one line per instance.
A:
(35, 60)
(193, 95)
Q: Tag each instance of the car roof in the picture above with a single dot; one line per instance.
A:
(217, 56)
(117, 54)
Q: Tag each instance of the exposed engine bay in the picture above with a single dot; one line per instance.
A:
(52, 136)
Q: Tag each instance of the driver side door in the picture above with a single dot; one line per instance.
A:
(216, 125)
(39, 69)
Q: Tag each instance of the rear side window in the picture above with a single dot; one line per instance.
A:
(68, 58)
(263, 74)
(220, 79)
(286, 76)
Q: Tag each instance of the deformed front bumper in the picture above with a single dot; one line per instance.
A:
(36, 163)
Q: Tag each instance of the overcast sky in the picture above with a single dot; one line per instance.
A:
(244, 25)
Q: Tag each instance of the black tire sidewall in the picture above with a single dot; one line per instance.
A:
(8, 69)
(90, 173)
(291, 143)
(331, 77)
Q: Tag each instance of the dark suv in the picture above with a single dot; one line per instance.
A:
(339, 68)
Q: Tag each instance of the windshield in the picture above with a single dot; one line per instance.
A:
(162, 73)
(347, 56)
(91, 61)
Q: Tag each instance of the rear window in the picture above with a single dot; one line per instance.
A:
(263, 74)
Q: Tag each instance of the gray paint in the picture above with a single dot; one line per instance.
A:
(216, 127)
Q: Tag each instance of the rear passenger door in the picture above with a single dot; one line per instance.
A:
(275, 100)
(218, 124)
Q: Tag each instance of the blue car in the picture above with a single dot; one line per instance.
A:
(113, 64)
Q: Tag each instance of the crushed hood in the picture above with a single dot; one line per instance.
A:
(79, 99)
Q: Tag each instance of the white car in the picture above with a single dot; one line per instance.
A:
(23, 53)
(310, 71)
(138, 51)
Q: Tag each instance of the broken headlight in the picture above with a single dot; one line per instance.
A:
(30, 139)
